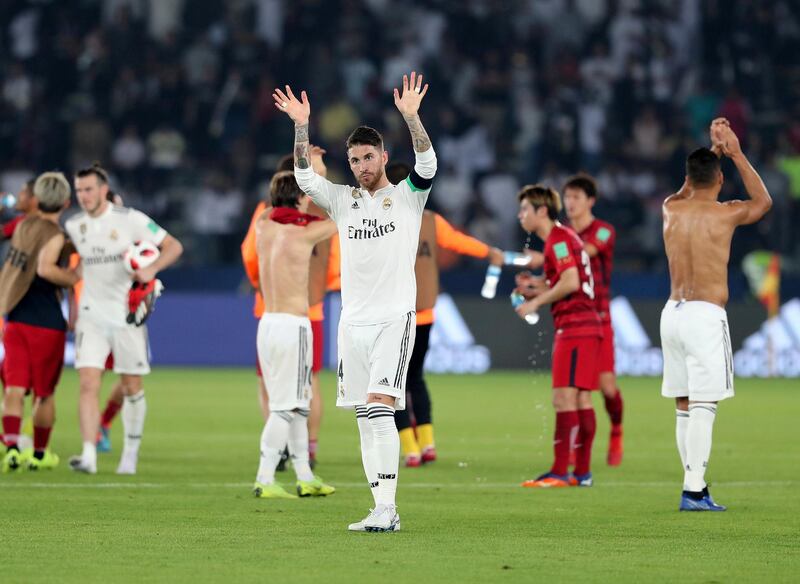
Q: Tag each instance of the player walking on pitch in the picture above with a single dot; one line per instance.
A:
(698, 362)
(569, 289)
(35, 331)
(378, 225)
(599, 237)
(101, 233)
(285, 239)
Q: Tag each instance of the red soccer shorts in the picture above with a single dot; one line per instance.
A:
(607, 364)
(34, 357)
(576, 362)
(318, 331)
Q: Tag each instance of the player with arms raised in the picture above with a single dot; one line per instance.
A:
(378, 225)
(285, 239)
(569, 289)
(101, 234)
(599, 237)
(698, 362)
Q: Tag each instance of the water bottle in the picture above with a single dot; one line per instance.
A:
(490, 282)
(8, 201)
(515, 258)
(517, 300)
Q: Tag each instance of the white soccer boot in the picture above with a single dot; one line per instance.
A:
(127, 463)
(383, 518)
(359, 526)
(77, 464)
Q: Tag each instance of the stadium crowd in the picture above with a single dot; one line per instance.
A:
(175, 98)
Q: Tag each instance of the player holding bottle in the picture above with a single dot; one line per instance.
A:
(379, 227)
(569, 289)
(417, 444)
(101, 233)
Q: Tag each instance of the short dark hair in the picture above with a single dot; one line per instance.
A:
(542, 196)
(584, 182)
(702, 167)
(397, 172)
(284, 191)
(94, 169)
(29, 186)
(286, 162)
(365, 135)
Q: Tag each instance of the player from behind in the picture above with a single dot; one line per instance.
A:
(379, 227)
(599, 237)
(35, 331)
(695, 339)
(569, 289)
(285, 239)
(316, 295)
(101, 234)
(416, 443)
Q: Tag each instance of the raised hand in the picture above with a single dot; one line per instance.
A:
(728, 141)
(299, 110)
(413, 91)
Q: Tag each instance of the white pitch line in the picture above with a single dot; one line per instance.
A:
(475, 485)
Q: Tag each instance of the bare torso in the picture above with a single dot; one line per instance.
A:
(284, 254)
(697, 238)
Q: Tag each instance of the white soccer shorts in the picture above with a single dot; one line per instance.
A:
(374, 359)
(128, 345)
(696, 342)
(285, 345)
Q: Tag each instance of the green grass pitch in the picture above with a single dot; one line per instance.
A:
(188, 516)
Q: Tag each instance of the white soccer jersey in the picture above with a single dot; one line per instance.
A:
(101, 242)
(378, 236)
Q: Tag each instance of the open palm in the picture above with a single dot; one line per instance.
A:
(298, 110)
(413, 92)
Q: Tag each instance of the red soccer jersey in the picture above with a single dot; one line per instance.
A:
(8, 228)
(576, 314)
(602, 236)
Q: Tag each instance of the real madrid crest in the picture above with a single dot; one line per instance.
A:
(387, 203)
(356, 194)
(114, 235)
(83, 228)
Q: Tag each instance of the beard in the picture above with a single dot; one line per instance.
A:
(370, 181)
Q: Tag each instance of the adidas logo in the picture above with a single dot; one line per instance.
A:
(355, 205)
(384, 381)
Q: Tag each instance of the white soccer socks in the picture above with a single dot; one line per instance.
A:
(368, 454)
(298, 445)
(698, 444)
(681, 426)
(387, 450)
(134, 411)
(273, 441)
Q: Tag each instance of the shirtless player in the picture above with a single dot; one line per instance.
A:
(285, 238)
(698, 362)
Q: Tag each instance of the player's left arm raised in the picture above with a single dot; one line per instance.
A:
(408, 101)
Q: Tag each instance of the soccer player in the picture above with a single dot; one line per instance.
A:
(599, 237)
(27, 205)
(569, 288)
(35, 330)
(286, 236)
(378, 225)
(101, 233)
(698, 362)
(416, 443)
(316, 291)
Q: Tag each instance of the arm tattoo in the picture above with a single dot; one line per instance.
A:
(301, 155)
(418, 134)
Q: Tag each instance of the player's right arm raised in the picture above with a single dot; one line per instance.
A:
(750, 211)
(299, 111)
